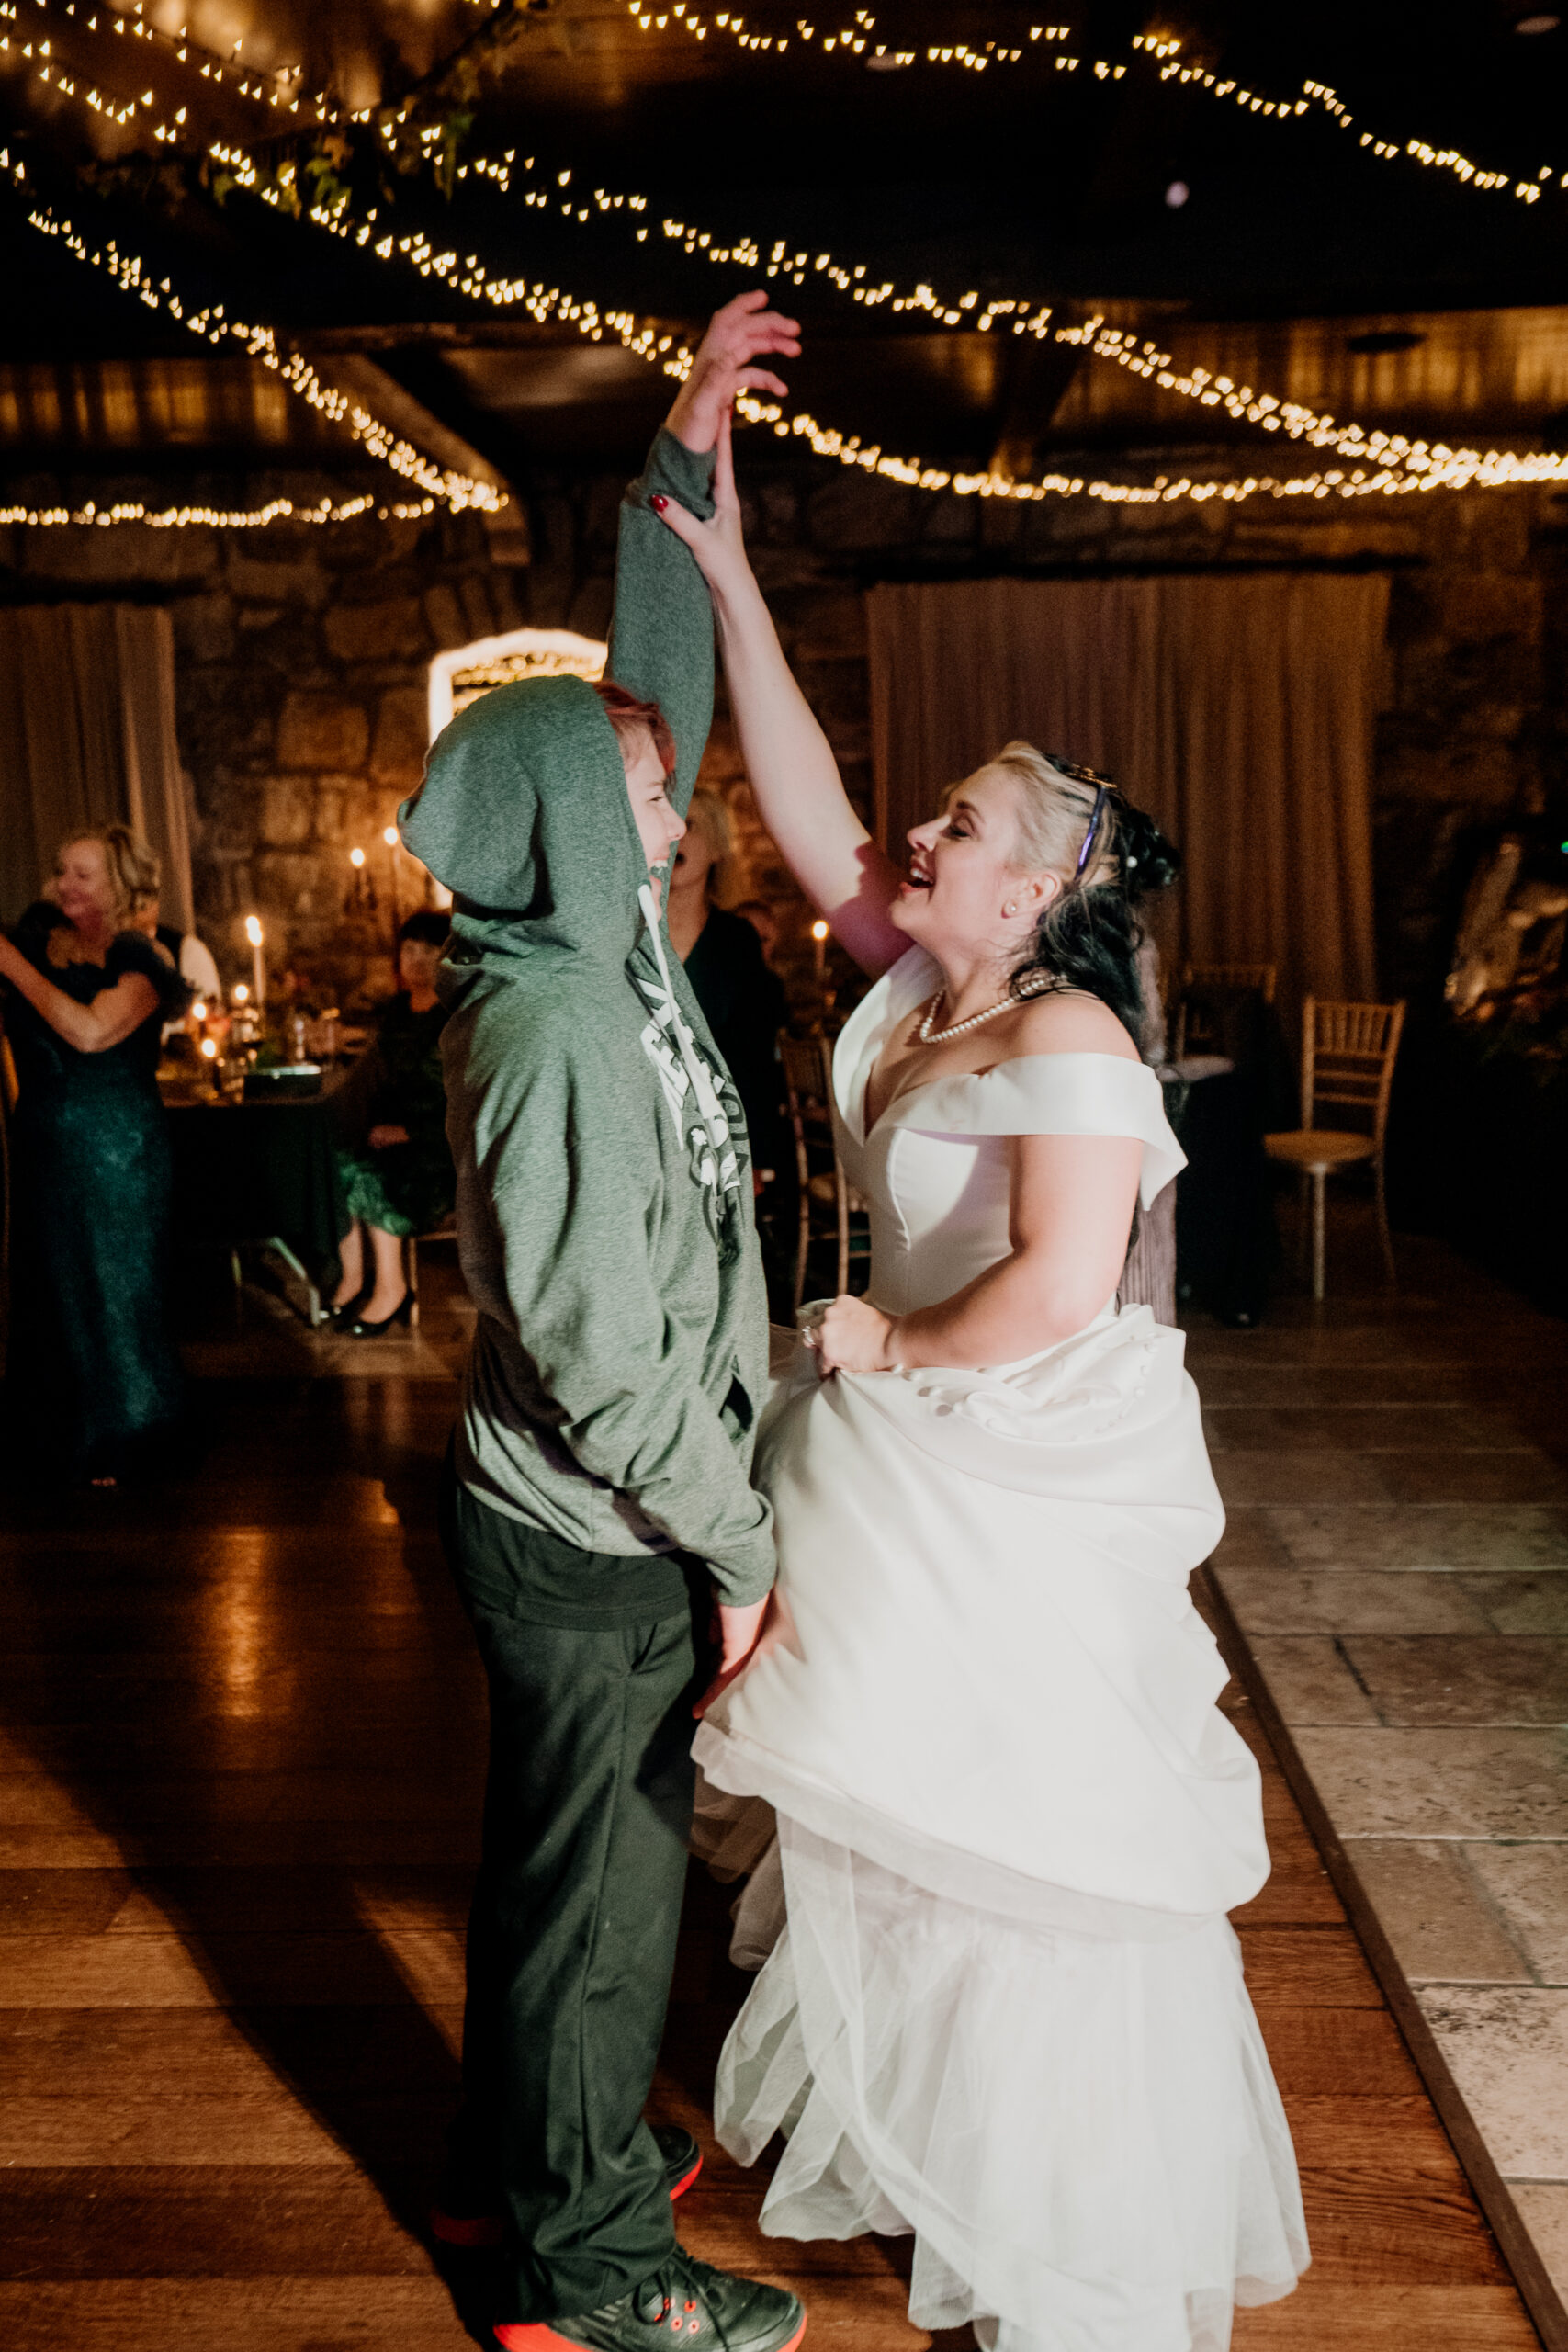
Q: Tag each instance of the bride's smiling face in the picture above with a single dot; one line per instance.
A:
(964, 890)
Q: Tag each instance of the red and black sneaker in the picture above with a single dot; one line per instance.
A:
(683, 2162)
(683, 2298)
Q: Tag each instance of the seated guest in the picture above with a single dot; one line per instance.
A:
(93, 1381)
(743, 1001)
(396, 1167)
(191, 957)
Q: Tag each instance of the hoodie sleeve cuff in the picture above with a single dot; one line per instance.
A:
(747, 1573)
(676, 471)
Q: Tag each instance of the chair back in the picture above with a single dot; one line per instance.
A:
(807, 1066)
(1347, 1057)
(1262, 976)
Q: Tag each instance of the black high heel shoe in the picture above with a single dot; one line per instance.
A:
(338, 1319)
(400, 1314)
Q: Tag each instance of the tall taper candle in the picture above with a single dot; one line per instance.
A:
(258, 969)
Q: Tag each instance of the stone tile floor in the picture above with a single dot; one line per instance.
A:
(1395, 1473)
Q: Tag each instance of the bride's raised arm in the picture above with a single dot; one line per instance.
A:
(800, 795)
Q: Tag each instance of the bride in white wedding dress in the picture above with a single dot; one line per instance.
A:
(1007, 2011)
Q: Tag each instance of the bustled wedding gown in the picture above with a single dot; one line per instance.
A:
(1006, 2012)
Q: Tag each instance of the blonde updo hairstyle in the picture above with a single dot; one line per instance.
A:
(712, 820)
(1090, 935)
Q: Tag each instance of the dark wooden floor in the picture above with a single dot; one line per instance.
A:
(243, 1737)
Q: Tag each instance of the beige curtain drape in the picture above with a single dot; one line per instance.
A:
(1237, 708)
(87, 739)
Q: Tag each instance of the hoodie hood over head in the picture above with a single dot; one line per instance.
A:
(524, 815)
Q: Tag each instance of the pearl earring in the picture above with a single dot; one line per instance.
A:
(1011, 909)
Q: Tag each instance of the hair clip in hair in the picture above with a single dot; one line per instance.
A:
(1093, 829)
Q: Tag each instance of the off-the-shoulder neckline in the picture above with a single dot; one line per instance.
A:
(979, 1077)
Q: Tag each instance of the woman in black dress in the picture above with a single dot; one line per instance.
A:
(742, 1002)
(93, 1383)
(393, 1156)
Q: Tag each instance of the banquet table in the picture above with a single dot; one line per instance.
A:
(259, 1174)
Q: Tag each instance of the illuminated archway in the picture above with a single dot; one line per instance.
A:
(461, 677)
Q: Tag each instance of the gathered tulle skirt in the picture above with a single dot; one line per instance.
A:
(1083, 2134)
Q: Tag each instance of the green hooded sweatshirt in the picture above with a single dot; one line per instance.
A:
(604, 1179)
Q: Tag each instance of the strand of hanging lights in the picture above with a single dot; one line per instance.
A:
(855, 40)
(1377, 461)
(444, 486)
(1375, 464)
(280, 89)
(857, 43)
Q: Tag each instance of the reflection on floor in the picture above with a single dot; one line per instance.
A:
(1396, 1561)
(239, 1785)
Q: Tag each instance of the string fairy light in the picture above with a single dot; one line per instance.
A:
(457, 491)
(279, 90)
(222, 518)
(1321, 96)
(1377, 461)
(853, 42)
(1358, 446)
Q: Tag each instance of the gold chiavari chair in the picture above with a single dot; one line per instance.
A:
(1347, 1057)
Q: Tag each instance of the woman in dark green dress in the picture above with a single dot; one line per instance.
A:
(93, 1383)
(397, 1170)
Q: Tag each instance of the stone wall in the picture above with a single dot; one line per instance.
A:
(302, 655)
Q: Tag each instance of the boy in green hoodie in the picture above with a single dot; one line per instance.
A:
(597, 1499)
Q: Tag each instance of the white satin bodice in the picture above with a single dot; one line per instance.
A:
(934, 1170)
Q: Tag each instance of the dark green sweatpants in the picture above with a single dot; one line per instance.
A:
(571, 1938)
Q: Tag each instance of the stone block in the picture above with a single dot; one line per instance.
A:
(287, 810)
(509, 608)
(478, 610)
(257, 582)
(1474, 606)
(125, 554)
(449, 623)
(402, 737)
(203, 627)
(390, 631)
(590, 614)
(322, 730)
(1451, 773)
(288, 882)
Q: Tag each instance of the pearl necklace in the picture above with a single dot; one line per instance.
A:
(930, 1036)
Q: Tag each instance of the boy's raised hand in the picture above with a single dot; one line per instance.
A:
(740, 334)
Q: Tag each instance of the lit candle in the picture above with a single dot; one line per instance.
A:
(356, 858)
(389, 835)
(819, 939)
(242, 993)
(209, 1047)
(258, 969)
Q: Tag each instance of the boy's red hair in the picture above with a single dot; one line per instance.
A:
(632, 719)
